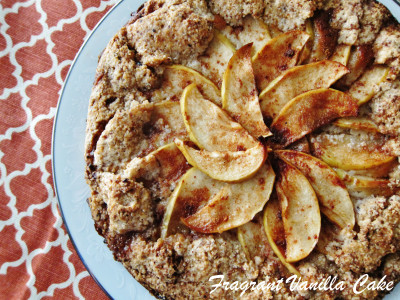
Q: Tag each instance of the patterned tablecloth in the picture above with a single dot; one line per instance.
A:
(38, 42)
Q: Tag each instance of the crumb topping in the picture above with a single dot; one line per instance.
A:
(123, 138)
(129, 204)
(385, 108)
(374, 16)
(379, 220)
(289, 14)
(387, 48)
(345, 17)
(234, 11)
(177, 31)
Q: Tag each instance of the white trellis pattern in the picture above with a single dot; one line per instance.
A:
(38, 41)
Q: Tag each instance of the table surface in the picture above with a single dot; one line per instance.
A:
(38, 42)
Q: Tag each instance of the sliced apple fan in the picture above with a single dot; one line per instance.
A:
(231, 179)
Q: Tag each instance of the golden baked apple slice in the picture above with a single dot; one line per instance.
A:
(253, 239)
(239, 93)
(333, 197)
(222, 38)
(253, 30)
(210, 127)
(310, 110)
(325, 37)
(366, 186)
(274, 31)
(341, 54)
(224, 165)
(193, 191)
(380, 171)
(171, 221)
(349, 153)
(367, 85)
(277, 55)
(359, 59)
(300, 212)
(301, 145)
(166, 164)
(296, 81)
(177, 77)
(214, 61)
(275, 232)
(357, 123)
(306, 52)
(227, 205)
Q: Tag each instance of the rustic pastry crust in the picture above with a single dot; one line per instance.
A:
(130, 192)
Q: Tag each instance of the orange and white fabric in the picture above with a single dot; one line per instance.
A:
(38, 42)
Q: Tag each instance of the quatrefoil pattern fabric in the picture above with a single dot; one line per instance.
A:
(38, 42)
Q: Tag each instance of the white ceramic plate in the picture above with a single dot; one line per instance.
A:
(69, 165)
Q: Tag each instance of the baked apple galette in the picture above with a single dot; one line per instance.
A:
(250, 142)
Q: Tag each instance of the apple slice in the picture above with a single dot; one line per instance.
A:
(164, 166)
(380, 171)
(274, 30)
(220, 206)
(296, 81)
(171, 223)
(366, 186)
(359, 59)
(253, 30)
(192, 192)
(224, 165)
(277, 55)
(253, 239)
(213, 62)
(311, 110)
(349, 153)
(273, 226)
(275, 232)
(325, 37)
(368, 84)
(357, 123)
(222, 38)
(301, 145)
(209, 127)
(239, 93)
(306, 52)
(341, 54)
(334, 200)
(177, 77)
(300, 212)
